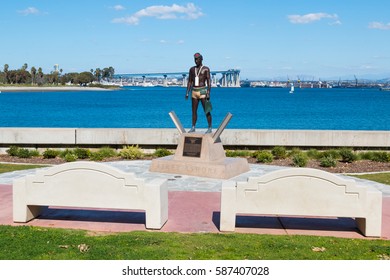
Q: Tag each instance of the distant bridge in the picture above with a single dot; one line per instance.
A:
(229, 78)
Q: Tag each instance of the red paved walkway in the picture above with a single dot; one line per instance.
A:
(190, 212)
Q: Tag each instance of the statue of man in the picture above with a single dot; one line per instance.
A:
(199, 84)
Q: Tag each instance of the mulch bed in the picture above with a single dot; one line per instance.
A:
(361, 166)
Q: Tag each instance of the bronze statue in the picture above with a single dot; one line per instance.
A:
(199, 84)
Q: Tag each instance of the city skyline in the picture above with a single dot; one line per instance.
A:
(264, 39)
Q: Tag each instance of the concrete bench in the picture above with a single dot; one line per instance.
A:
(89, 185)
(302, 192)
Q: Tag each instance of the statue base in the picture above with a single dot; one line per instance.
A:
(199, 155)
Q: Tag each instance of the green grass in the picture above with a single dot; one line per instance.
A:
(383, 178)
(4, 168)
(35, 243)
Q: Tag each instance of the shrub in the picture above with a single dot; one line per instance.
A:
(162, 152)
(331, 153)
(102, 153)
(328, 161)
(49, 153)
(24, 153)
(132, 152)
(65, 152)
(367, 155)
(279, 152)
(294, 151)
(13, 151)
(347, 155)
(70, 157)
(34, 153)
(96, 156)
(238, 153)
(300, 159)
(381, 157)
(313, 154)
(264, 156)
(82, 153)
(107, 152)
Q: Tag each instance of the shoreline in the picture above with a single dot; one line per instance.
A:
(47, 89)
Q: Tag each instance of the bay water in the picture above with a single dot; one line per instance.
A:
(148, 107)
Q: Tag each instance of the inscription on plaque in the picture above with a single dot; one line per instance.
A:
(192, 146)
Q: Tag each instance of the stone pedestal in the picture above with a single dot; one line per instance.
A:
(200, 155)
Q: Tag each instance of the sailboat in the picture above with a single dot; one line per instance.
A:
(292, 88)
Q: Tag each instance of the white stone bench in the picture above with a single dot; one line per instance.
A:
(89, 185)
(302, 192)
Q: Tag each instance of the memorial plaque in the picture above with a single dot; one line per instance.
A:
(192, 146)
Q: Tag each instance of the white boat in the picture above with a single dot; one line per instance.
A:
(292, 88)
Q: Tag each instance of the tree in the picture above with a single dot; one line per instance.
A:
(108, 72)
(19, 76)
(6, 67)
(40, 77)
(33, 72)
(98, 74)
(85, 78)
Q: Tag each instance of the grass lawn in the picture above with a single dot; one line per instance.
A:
(5, 167)
(35, 243)
(383, 178)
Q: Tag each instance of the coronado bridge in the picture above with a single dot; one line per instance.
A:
(227, 78)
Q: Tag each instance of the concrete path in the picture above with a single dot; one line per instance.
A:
(194, 205)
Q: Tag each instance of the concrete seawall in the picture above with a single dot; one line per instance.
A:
(45, 137)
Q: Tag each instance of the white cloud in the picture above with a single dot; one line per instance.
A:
(379, 25)
(119, 8)
(190, 11)
(29, 11)
(309, 18)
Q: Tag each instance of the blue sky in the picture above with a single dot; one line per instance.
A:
(265, 39)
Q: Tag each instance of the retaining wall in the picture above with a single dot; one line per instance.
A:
(41, 137)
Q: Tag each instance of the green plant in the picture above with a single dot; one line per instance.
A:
(300, 159)
(334, 153)
(294, 151)
(131, 152)
(65, 152)
(279, 152)
(70, 157)
(238, 153)
(347, 155)
(13, 151)
(24, 153)
(162, 152)
(82, 153)
(34, 153)
(313, 154)
(264, 156)
(381, 157)
(367, 155)
(102, 153)
(328, 161)
(50, 153)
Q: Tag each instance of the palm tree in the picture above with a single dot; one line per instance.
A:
(6, 66)
(98, 74)
(33, 72)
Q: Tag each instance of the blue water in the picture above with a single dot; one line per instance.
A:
(252, 108)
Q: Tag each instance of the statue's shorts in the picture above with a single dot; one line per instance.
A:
(199, 92)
